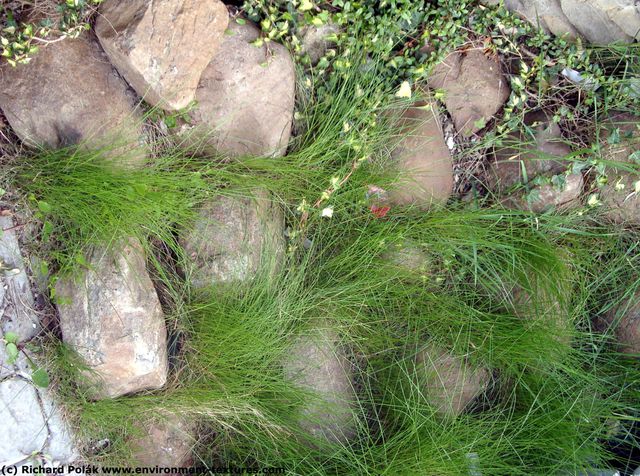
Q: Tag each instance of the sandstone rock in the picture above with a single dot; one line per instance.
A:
(604, 21)
(474, 87)
(531, 151)
(546, 14)
(112, 317)
(618, 142)
(70, 94)
(162, 48)
(315, 42)
(599, 21)
(17, 304)
(245, 98)
(423, 158)
(166, 442)
(232, 238)
(625, 324)
(317, 364)
(450, 383)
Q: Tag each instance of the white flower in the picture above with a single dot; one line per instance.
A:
(593, 200)
(327, 212)
(404, 91)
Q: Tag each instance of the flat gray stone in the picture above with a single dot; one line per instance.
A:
(22, 420)
(17, 305)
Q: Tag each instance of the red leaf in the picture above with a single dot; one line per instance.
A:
(380, 212)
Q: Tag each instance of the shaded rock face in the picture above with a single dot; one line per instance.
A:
(162, 47)
(112, 317)
(546, 14)
(599, 21)
(317, 364)
(232, 238)
(166, 442)
(245, 98)
(531, 151)
(449, 383)
(70, 94)
(618, 141)
(535, 151)
(423, 159)
(315, 40)
(604, 21)
(475, 88)
(625, 324)
(548, 196)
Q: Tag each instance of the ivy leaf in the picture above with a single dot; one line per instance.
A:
(12, 353)
(241, 21)
(305, 5)
(44, 207)
(635, 157)
(40, 377)
(11, 337)
(614, 136)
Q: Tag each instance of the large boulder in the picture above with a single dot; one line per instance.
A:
(619, 140)
(317, 364)
(474, 88)
(604, 21)
(162, 48)
(245, 98)
(449, 382)
(233, 238)
(110, 314)
(423, 158)
(70, 94)
(545, 14)
(599, 21)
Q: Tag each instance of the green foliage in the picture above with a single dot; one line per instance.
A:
(20, 39)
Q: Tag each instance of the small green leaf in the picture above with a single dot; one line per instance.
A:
(47, 229)
(241, 21)
(305, 5)
(44, 207)
(614, 136)
(480, 123)
(40, 377)
(11, 337)
(635, 157)
(80, 259)
(12, 353)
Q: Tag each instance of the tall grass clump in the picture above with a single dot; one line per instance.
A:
(506, 291)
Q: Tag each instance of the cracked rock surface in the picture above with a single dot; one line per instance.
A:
(33, 431)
